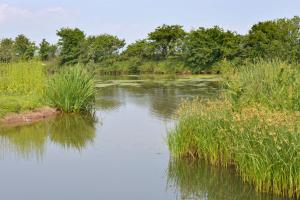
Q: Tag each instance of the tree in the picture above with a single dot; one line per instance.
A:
(24, 48)
(46, 50)
(140, 49)
(274, 39)
(103, 47)
(167, 39)
(6, 50)
(70, 41)
(204, 47)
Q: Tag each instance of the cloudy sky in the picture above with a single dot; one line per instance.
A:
(133, 19)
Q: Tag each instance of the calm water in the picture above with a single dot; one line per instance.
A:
(120, 153)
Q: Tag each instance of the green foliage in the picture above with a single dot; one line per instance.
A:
(202, 49)
(70, 41)
(274, 39)
(205, 47)
(100, 48)
(24, 48)
(254, 126)
(6, 50)
(46, 51)
(142, 49)
(134, 65)
(72, 90)
(167, 39)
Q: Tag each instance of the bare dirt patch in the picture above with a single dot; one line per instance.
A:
(15, 119)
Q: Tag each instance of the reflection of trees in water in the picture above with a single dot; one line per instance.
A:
(106, 98)
(162, 97)
(197, 180)
(69, 131)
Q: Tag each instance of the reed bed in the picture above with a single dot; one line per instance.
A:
(254, 126)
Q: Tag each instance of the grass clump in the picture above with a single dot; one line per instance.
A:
(255, 126)
(71, 90)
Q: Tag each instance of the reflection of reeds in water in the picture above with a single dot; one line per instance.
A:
(198, 180)
(73, 131)
(24, 141)
(69, 131)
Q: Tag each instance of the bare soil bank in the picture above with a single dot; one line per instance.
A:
(15, 119)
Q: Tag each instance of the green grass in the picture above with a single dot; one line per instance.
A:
(26, 86)
(21, 86)
(71, 90)
(254, 126)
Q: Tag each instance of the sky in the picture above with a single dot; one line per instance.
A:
(133, 19)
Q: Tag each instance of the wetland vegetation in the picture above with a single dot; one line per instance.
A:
(254, 126)
(250, 124)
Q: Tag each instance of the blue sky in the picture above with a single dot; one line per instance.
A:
(133, 19)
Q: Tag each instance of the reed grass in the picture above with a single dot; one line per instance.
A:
(71, 90)
(255, 126)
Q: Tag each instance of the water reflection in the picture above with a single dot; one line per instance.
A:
(73, 131)
(197, 180)
(161, 95)
(68, 131)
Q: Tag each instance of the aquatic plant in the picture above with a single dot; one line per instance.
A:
(254, 126)
(71, 90)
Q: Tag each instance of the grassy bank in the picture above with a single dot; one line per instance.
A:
(255, 126)
(140, 66)
(26, 86)
(21, 86)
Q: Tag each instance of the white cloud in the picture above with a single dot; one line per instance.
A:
(10, 14)
(34, 23)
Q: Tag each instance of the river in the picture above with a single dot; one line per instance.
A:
(118, 153)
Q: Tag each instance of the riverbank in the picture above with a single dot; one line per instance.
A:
(28, 92)
(28, 117)
(254, 126)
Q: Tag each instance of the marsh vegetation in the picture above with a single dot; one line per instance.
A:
(253, 127)
(252, 124)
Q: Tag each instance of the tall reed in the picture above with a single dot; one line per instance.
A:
(71, 90)
(255, 126)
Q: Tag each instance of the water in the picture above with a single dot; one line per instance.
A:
(120, 153)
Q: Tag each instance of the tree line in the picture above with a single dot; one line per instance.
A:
(199, 49)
